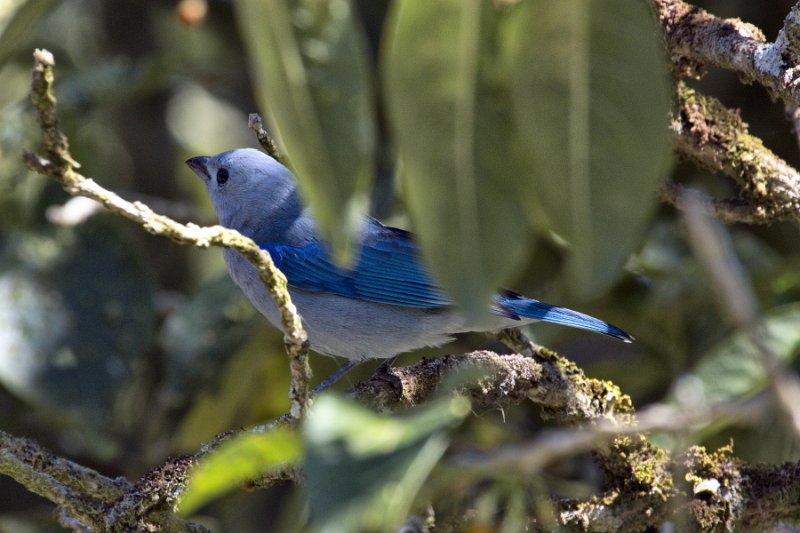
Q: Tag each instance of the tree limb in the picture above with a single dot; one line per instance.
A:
(59, 165)
(639, 487)
(556, 384)
(695, 37)
(715, 138)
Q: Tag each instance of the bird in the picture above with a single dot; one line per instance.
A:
(387, 303)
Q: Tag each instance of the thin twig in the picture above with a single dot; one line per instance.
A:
(558, 444)
(59, 165)
(737, 300)
(266, 141)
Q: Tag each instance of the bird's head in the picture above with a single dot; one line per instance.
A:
(248, 188)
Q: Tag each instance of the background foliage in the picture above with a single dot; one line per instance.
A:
(118, 349)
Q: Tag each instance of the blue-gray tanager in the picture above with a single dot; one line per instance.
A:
(387, 304)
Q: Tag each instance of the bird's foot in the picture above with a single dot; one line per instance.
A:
(384, 373)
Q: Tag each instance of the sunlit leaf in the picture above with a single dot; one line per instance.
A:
(735, 367)
(593, 93)
(363, 470)
(447, 86)
(242, 458)
(310, 68)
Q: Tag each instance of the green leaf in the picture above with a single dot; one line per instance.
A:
(593, 94)
(734, 368)
(236, 461)
(310, 68)
(447, 87)
(363, 470)
(18, 20)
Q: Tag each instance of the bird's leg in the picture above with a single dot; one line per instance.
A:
(384, 373)
(336, 376)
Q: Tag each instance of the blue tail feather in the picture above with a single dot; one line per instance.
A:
(515, 306)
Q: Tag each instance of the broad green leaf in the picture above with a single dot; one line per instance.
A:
(734, 367)
(310, 68)
(18, 21)
(240, 459)
(363, 470)
(593, 94)
(447, 85)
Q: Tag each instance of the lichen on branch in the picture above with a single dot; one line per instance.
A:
(714, 137)
(59, 165)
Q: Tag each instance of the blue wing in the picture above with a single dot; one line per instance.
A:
(387, 270)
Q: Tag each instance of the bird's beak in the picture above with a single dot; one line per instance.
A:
(198, 166)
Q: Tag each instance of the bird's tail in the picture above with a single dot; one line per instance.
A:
(516, 307)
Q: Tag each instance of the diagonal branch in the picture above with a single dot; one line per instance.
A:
(59, 480)
(59, 165)
(715, 138)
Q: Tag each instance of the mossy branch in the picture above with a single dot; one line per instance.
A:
(696, 37)
(58, 164)
(714, 137)
(556, 384)
(640, 490)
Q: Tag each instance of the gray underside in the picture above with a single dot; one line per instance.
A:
(358, 329)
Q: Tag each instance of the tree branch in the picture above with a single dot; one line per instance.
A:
(556, 384)
(639, 486)
(59, 165)
(695, 37)
(715, 138)
(266, 141)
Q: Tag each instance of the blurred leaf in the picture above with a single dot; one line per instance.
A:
(77, 314)
(781, 444)
(733, 368)
(247, 385)
(203, 122)
(364, 469)
(197, 338)
(447, 87)
(592, 92)
(310, 68)
(20, 189)
(18, 20)
(236, 461)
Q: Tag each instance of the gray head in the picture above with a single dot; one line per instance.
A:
(251, 192)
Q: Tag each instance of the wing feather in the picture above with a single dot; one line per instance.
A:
(387, 270)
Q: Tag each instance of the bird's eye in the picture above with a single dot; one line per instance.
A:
(222, 176)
